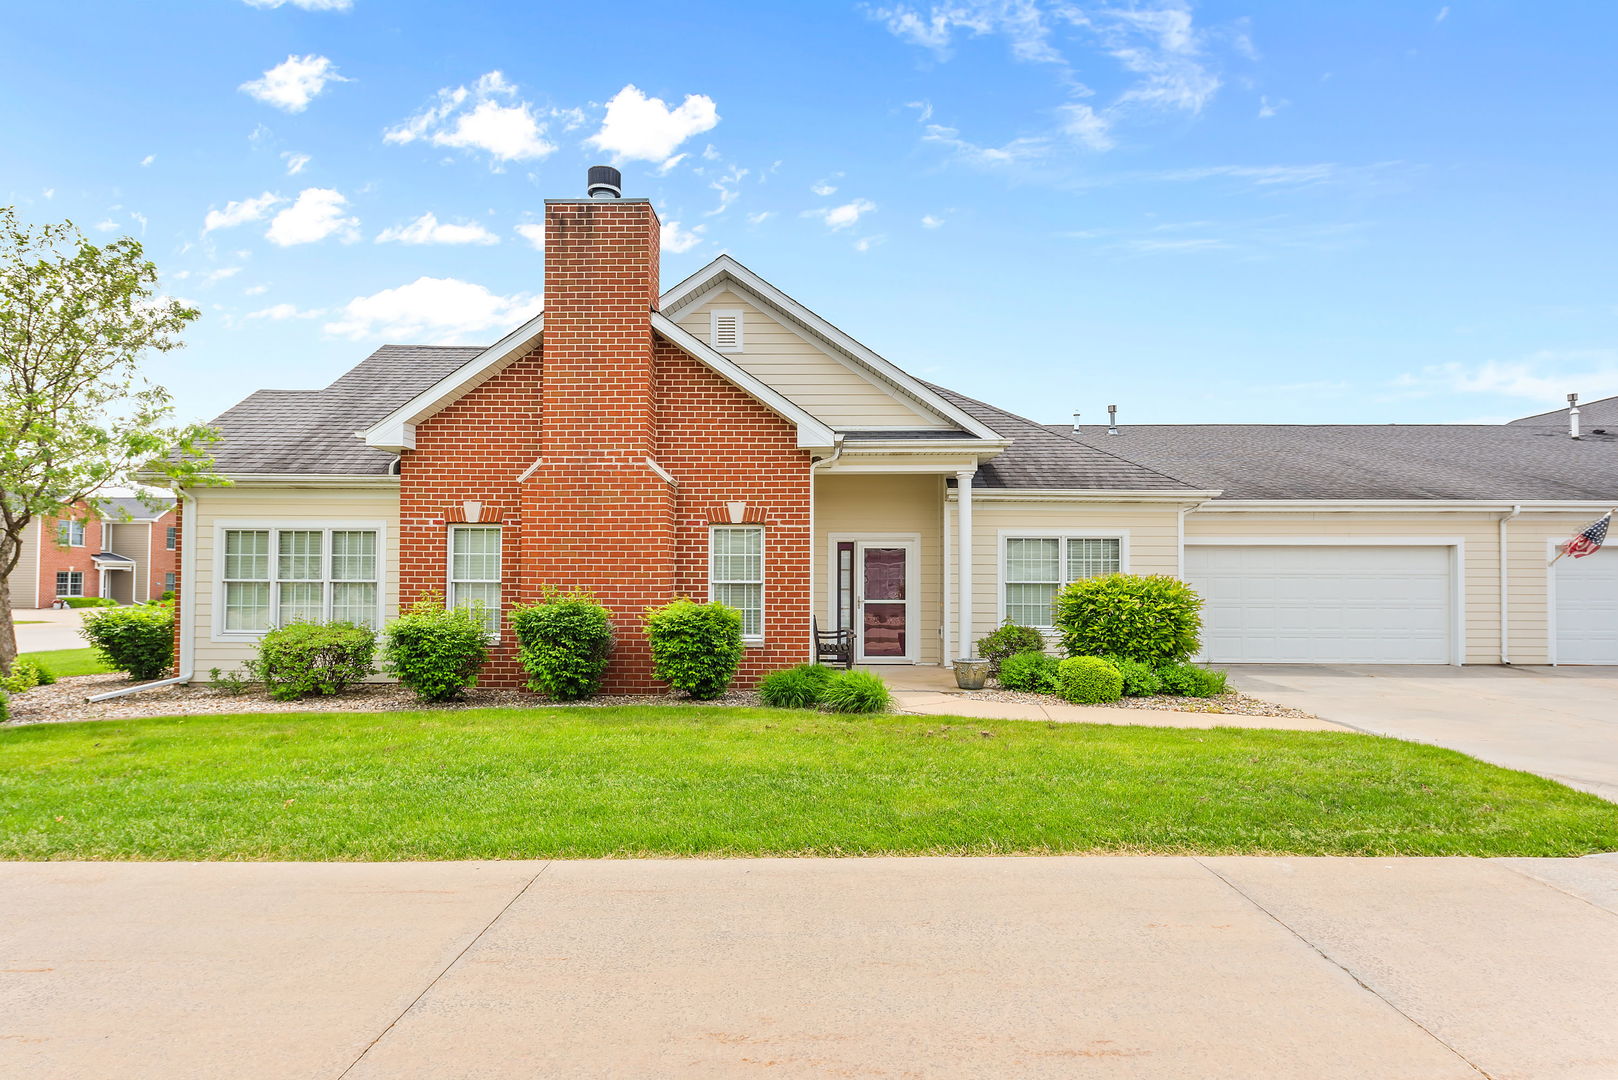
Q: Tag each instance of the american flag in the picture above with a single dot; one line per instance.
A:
(1590, 540)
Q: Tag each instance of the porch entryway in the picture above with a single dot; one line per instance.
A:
(875, 592)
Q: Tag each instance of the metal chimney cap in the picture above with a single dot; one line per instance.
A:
(604, 182)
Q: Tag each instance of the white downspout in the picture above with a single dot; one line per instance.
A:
(188, 620)
(814, 545)
(1505, 594)
(963, 558)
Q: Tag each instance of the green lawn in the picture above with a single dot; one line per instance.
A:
(66, 662)
(516, 783)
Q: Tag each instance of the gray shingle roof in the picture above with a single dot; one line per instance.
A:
(1041, 458)
(115, 507)
(1373, 461)
(312, 431)
(1602, 412)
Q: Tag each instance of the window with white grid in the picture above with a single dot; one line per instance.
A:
(70, 583)
(70, 533)
(474, 572)
(1037, 567)
(736, 573)
(274, 577)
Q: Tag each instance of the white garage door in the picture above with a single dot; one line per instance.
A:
(1323, 605)
(1587, 609)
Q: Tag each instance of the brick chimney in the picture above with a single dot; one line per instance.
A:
(596, 515)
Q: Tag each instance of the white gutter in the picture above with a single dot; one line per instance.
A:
(1434, 506)
(188, 643)
(1505, 594)
(814, 599)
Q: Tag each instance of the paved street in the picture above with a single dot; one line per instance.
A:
(46, 628)
(1314, 969)
(1560, 722)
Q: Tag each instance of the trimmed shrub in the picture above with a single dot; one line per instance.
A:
(1009, 639)
(795, 687)
(1088, 680)
(89, 601)
(314, 659)
(136, 640)
(695, 647)
(1029, 672)
(25, 675)
(856, 692)
(435, 651)
(1192, 681)
(1140, 680)
(1155, 620)
(563, 642)
(168, 594)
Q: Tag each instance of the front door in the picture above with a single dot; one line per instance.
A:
(884, 624)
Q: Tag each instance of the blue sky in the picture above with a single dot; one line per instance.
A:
(1263, 211)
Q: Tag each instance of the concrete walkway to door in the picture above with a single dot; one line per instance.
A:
(1560, 722)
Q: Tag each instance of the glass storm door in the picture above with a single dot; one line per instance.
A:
(882, 573)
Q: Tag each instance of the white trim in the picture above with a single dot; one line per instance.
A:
(963, 583)
(1440, 506)
(714, 317)
(763, 570)
(449, 569)
(1003, 535)
(912, 543)
(1457, 569)
(667, 476)
(724, 266)
(366, 480)
(812, 434)
(1093, 495)
(217, 631)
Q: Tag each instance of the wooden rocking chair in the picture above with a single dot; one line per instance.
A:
(834, 647)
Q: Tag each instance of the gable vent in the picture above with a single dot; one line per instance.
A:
(726, 331)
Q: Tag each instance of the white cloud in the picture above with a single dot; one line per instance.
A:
(1443, 13)
(487, 116)
(255, 290)
(295, 162)
(147, 160)
(1160, 45)
(1546, 376)
(729, 187)
(842, 217)
(293, 83)
(866, 243)
(279, 312)
(761, 217)
(678, 240)
(221, 274)
(317, 214)
(710, 153)
(1024, 148)
(49, 193)
(825, 188)
(307, 5)
(1268, 108)
(928, 221)
(639, 128)
(1026, 24)
(1086, 126)
(427, 229)
(140, 219)
(668, 166)
(238, 213)
(106, 225)
(533, 232)
(440, 311)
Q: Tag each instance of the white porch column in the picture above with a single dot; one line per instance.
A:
(964, 648)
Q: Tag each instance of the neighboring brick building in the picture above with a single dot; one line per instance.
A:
(123, 550)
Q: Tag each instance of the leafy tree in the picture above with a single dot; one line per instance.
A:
(76, 417)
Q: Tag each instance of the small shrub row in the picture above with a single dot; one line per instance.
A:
(1081, 679)
(89, 601)
(809, 685)
(563, 642)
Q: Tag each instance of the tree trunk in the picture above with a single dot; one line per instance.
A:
(8, 632)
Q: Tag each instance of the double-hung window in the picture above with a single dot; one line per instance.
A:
(474, 572)
(274, 577)
(1037, 567)
(70, 533)
(736, 574)
(70, 583)
(170, 536)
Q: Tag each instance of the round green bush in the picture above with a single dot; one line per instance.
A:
(1009, 639)
(1189, 680)
(1088, 680)
(695, 647)
(314, 659)
(856, 692)
(1029, 672)
(435, 652)
(136, 640)
(563, 642)
(1155, 620)
(1140, 680)
(795, 687)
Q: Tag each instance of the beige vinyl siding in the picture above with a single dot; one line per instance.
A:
(885, 504)
(829, 389)
(129, 538)
(24, 579)
(1150, 531)
(289, 504)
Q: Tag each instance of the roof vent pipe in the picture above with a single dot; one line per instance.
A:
(1076, 430)
(604, 182)
(1112, 419)
(1573, 415)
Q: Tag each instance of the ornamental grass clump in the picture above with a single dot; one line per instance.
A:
(563, 642)
(856, 692)
(138, 641)
(695, 647)
(795, 687)
(1088, 680)
(1154, 620)
(306, 659)
(436, 651)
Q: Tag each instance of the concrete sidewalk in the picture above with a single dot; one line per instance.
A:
(47, 628)
(1134, 968)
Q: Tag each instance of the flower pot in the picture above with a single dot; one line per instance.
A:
(971, 674)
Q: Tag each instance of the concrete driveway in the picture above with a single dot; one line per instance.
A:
(1128, 968)
(1560, 722)
(39, 630)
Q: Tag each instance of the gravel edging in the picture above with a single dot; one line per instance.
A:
(1231, 702)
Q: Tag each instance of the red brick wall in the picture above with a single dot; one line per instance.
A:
(53, 558)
